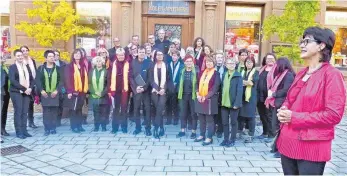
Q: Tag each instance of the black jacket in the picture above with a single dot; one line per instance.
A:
(14, 79)
(282, 89)
(142, 69)
(155, 85)
(236, 89)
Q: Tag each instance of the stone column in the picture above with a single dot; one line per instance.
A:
(125, 22)
(210, 25)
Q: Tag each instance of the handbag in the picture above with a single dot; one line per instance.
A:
(274, 148)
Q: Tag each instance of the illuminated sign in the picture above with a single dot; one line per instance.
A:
(168, 7)
(238, 13)
(336, 18)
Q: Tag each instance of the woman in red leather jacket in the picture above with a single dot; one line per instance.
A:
(314, 106)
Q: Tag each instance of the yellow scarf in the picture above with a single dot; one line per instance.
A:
(204, 80)
(248, 92)
(78, 80)
(125, 76)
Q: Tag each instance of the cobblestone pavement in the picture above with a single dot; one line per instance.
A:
(103, 153)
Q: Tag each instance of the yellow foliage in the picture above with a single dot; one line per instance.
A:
(58, 22)
(38, 54)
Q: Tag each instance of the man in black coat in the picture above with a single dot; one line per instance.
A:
(139, 82)
(161, 44)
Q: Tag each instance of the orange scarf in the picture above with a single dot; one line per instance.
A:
(204, 80)
(78, 81)
(125, 76)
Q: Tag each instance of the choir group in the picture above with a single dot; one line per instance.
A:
(221, 93)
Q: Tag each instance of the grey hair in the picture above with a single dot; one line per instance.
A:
(161, 30)
(220, 52)
(120, 51)
(176, 40)
(96, 59)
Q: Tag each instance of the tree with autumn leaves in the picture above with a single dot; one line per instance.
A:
(289, 27)
(58, 22)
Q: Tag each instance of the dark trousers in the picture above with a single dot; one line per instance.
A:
(229, 117)
(49, 115)
(76, 118)
(144, 98)
(218, 120)
(4, 109)
(301, 167)
(100, 112)
(31, 111)
(21, 107)
(159, 105)
(251, 124)
(172, 107)
(265, 116)
(273, 123)
(187, 105)
(120, 111)
(131, 106)
(206, 120)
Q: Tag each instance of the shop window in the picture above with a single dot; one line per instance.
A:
(5, 41)
(337, 22)
(96, 15)
(242, 29)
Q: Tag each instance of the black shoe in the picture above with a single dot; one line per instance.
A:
(219, 135)
(4, 133)
(114, 131)
(224, 143)
(124, 130)
(155, 134)
(81, 129)
(168, 122)
(85, 122)
(20, 136)
(207, 143)
(231, 144)
(32, 125)
(103, 129)
(143, 123)
(199, 140)
(96, 129)
(75, 130)
(180, 134)
(46, 133)
(26, 134)
(277, 155)
(148, 132)
(136, 132)
(193, 136)
(175, 122)
(161, 132)
(190, 128)
(53, 132)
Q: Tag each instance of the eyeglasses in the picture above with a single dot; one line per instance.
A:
(134, 49)
(307, 41)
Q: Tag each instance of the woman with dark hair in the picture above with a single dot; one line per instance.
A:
(208, 88)
(85, 60)
(21, 86)
(243, 54)
(27, 60)
(208, 52)
(198, 45)
(283, 79)
(314, 106)
(159, 79)
(266, 77)
(247, 112)
(5, 94)
(76, 85)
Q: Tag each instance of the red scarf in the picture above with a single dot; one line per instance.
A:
(271, 100)
(270, 75)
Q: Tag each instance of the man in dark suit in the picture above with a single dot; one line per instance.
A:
(161, 44)
(61, 64)
(112, 51)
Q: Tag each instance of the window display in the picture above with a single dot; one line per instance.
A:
(96, 15)
(337, 21)
(242, 30)
(5, 41)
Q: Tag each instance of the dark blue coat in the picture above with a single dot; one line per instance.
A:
(249, 108)
(236, 89)
(174, 83)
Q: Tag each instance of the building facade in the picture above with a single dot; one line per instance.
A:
(224, 24)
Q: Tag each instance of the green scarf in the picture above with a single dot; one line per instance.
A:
(180, 90)
(51, 87)
(240, 69)
(6, 70)
(98, 82)
(226, 86)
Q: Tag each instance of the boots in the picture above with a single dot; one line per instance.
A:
(96, 127)
(103, 126)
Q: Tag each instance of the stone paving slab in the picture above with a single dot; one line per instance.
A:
(103, 153)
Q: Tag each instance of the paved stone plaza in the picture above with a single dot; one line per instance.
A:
(103, 153)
